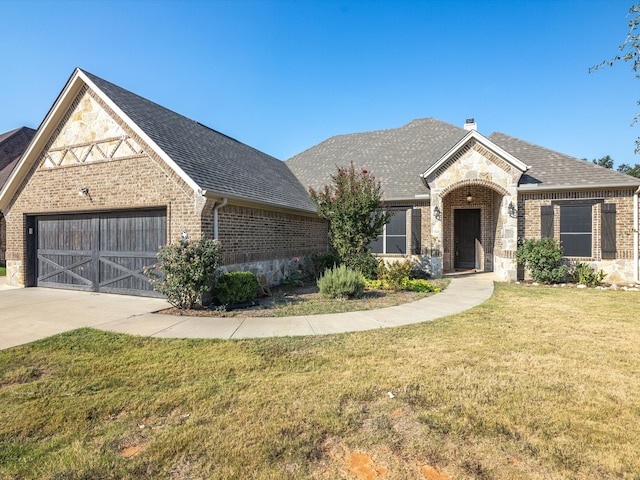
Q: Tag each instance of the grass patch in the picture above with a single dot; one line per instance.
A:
(536, 383)
(3, 271)
(308, 301)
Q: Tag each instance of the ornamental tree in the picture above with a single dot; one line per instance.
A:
(353, 207)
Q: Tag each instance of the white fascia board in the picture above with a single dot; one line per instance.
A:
(41, 136)
(161, 153)
(485, 142)
(536, 188)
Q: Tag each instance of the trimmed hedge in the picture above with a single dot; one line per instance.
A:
(237, 287)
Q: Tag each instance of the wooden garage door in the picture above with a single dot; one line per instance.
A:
(103, 252)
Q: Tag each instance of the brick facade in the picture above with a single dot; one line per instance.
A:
(93, 149)
(619, 269)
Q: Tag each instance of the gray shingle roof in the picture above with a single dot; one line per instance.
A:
(12, 146)
(552, 169)
(214, 161)
(396, 156)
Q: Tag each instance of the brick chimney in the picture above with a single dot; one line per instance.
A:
(470, 124)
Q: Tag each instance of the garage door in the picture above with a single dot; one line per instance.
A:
(103, 252)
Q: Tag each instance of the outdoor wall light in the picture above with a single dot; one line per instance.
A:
(469, 197)
(513, 211)
(83, 191)
(437, 213)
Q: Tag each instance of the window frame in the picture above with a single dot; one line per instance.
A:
(384, 235)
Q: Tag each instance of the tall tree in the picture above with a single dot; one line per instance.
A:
(629, 170)
(606, 162)
(629, 52)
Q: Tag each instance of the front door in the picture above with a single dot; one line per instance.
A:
(466, 232)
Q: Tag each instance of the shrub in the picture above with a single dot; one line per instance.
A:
(543, 259)
(319, 262)
(185, 271)
(365, 263)
(295, 274)
(418, 285)
(395, 273)
(587, 275)
(341, 282)
(237, 287)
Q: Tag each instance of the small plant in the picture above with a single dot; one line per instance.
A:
(365, 263)
(587, 275)
(543, 259)
(295, 274)
(319, 262)
(185, 271)
(237, 287)
(418, 285)
(341, 282)
(395, 273)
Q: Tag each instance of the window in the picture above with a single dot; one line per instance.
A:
(576, 230)
(576, 227)
(393, 238)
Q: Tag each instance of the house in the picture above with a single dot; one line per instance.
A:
(462, 201)
(12, 144)
(109, 177)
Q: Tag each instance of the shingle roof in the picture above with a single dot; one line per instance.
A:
(552, 169)
(12, 145)
(214, 161)
(396, 156)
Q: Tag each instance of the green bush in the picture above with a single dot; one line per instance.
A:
(395, 273)
(341, 282)
(237, 287)
(587, 275)
(319, 262)
(365, 263)
(418, 285)
(543, 259)
(186, 271)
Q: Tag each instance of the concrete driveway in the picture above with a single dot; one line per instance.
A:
(29, 314)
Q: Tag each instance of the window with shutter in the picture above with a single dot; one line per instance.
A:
(416, 231)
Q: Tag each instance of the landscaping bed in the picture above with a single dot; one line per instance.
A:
(306, 300)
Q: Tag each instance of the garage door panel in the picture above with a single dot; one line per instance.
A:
(104, 252)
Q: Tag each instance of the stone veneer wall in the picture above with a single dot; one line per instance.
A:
(619, 269)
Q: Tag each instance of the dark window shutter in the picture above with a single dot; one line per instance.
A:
(546, 221)
(608, 230)
(416, 231)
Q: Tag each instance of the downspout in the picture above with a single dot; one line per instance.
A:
(215, 217)
(636, 254)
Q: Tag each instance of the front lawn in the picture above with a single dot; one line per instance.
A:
(536, 383)
(3, 271)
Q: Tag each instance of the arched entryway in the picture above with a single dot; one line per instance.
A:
(473, 226)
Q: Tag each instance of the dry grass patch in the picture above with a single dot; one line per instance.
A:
(536, 383)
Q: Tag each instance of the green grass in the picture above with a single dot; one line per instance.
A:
(3, 271)
(536, 383)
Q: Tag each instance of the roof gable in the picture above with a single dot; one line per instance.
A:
(473, 135)
(208, 161)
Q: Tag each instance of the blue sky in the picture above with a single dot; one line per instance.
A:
(283, 76)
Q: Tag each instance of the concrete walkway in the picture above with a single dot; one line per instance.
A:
(28, 314)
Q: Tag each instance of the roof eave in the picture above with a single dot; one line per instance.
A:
(217, 196)
(535, 188)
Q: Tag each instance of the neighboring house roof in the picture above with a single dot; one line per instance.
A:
(12, 145)
(209, 161)
(396, 157)
(399, 156)
(551, 170)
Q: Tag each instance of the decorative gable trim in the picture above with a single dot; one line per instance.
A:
(464, 145)
(77, 83)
